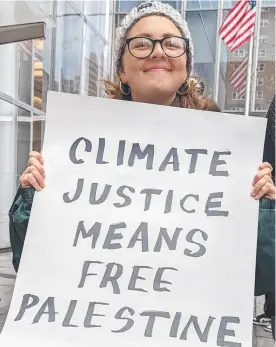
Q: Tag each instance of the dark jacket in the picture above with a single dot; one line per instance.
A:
(265, 268)
(269, 145)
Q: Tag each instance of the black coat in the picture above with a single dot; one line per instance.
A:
(269, 145)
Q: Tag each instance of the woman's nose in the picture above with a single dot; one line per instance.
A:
(158, 51)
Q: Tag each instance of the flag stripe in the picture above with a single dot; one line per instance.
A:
(233, 25)
(236, 82)
(240, 5)
(239, 71)
(241, 91)
(241, 41)
(248, 21)
(243, 26)
(238, 77)
(238, 26)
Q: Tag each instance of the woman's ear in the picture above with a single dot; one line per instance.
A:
(122, 75)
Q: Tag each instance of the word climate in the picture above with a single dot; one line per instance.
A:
(124, 157)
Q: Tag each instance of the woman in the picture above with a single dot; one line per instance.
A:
(154, 61)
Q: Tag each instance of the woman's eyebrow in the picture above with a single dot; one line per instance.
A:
(150, 35)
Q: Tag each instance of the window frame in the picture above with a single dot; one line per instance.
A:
(259, 92)
(259, 69)
(237, 53)
(263, 39)
(239, 96)
(260, 79)
(264, 53)
(263, 21)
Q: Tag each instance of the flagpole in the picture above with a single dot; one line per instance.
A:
(256, 53)
(249, 74)
(218, 53)
(249, 78)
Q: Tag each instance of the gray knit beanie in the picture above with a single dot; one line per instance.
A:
(144, 10)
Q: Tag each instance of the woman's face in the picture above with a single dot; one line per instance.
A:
(158, 76)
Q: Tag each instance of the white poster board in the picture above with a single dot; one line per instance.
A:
(156, 246)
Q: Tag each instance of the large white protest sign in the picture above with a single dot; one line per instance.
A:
(145, 234)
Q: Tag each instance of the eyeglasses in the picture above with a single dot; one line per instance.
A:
(142, 47)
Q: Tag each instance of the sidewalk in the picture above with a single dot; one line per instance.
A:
(261, 338)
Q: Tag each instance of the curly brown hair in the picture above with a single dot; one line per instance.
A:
(191, 97)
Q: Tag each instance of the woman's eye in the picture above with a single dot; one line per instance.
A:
(144, 44)
(141, 44)
(172, 44)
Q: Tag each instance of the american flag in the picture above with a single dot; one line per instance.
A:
(238, 26)
(238, 77)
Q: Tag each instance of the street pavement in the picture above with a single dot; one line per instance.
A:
(261, 338)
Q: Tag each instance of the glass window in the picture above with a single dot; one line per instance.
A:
(264, 22)
(193, 5)
(226, 99)
(125, 6)
(23, 140)
(203, 27)
(91, 62)
(69, 44)
(261, 67)
(238, 96)
(79, 4)
(176, 3)
(207, 4)
(25, 49)
(260, 81)
(262, 53)
(96, 12)
(237, 109)
(259, 95)
(268, 3)
(263, 39)
(38, 133)
(42, 54)
(240, 53)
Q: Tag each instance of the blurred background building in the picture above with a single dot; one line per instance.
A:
(76, 56)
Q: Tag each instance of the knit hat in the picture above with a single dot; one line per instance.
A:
(144, 10)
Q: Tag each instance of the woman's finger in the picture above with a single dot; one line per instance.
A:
(34, 162)
(36, 174)
(267, 188)
(28, 180)
(258, 186)
(38, 156)
(33, 182)
(24, 181)
(264, 172)
(266, 165)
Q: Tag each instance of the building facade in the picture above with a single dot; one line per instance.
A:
(76, 57)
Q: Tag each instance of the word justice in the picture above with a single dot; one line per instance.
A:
(125, 195)
(124, 156)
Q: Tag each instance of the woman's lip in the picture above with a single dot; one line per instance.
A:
(157, 69)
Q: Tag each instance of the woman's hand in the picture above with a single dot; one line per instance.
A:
(34, 175)
(263, 185)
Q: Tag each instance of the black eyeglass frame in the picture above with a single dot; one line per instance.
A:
(154, 41)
